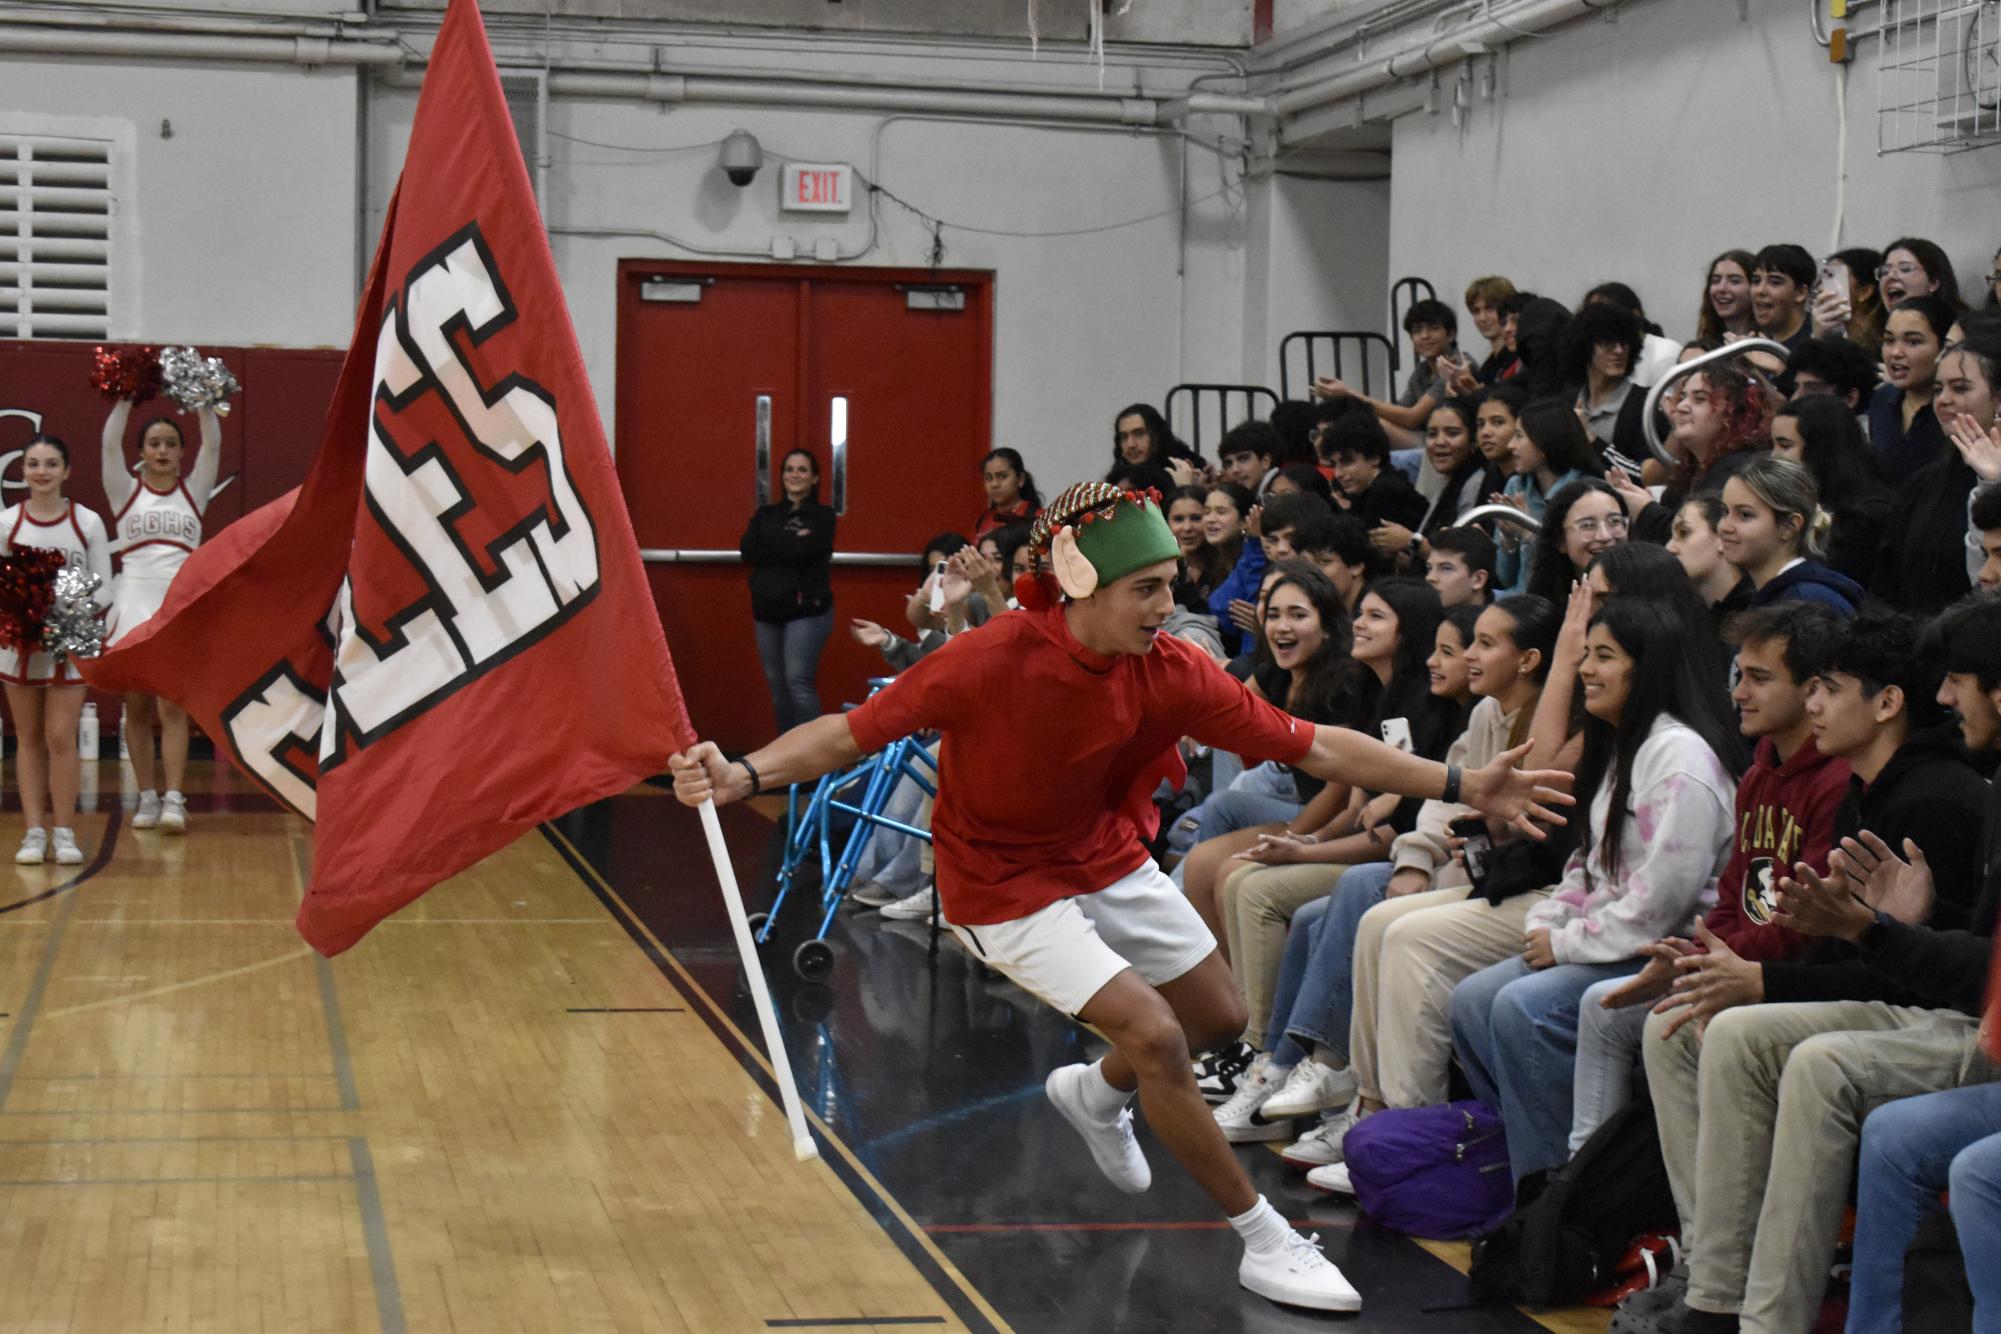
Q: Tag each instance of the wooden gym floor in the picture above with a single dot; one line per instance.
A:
(527, 1103)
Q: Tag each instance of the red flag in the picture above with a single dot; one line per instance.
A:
(445, 636)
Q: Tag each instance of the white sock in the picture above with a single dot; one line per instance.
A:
(62, 829)
(149, 792)
(175, 794)
(1101, 1100)
(1262, 1227)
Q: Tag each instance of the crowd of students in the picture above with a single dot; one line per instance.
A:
(1771, 663)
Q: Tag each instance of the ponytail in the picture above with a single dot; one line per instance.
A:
(1787, 488)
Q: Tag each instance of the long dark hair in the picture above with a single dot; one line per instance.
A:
(1165, 443)
(1651, 572)
(1707, 326)
(1936, 264)
(813, 496)
(1326, 695)
(1836, 451)
(1012, 458)
(1241, 497)
(1533, 623)
(1552, 573)
(1552, 427)
(1407, 694)
(1668, 676)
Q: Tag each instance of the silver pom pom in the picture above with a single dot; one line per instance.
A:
(195, 381)
(72, 628)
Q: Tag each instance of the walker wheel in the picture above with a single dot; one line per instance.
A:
(757, 921)
(813, 960)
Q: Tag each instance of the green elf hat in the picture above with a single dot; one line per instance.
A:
(1090, 536)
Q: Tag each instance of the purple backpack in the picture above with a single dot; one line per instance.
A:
(1438, 1172)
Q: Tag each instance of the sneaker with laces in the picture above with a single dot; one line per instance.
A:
(1112, 1143)
(916, 908)
(1218, 1073)
(1238, 1118)
(1310, 1090)
(1297, 1274)
(173, 814)
(34, 848)
(1323, 1144)
(1649, 1303)
(148, 814)
(872, 894)
(67, 852)
(1333, 1179)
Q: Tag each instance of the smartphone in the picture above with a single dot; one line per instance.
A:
(1834, 278)
(1396, 732)
(1479, 849)
(938, 586)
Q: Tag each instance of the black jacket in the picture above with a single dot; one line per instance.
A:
(1855, 537)
(1921, 566)
(789, 553)
(1947, 966)
(1389, 499)
(1929, 794)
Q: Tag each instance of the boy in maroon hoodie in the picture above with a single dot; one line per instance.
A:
(1786, 804)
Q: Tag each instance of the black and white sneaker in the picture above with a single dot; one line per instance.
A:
(1220, 1072)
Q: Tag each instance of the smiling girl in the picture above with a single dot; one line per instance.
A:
(1726, 297)
(1903, 424)
(45, 694)
(1774, 530)
(157, 516)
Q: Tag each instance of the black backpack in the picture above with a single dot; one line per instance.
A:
(1572, 1225)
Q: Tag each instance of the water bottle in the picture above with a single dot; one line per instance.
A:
(86, 734)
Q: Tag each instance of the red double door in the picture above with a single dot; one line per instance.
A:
(884, 374)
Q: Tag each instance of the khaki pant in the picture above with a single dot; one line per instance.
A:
(1256, 904)
(1760, 1120)
(1409, 954)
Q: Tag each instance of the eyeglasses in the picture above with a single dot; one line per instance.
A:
(1901, 270)
(1994, 279)
(1611, 523)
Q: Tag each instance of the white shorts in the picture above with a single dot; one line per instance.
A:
(1067, 952)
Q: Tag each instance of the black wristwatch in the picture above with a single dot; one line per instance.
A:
(1873, 935)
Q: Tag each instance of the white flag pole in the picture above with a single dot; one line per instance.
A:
(803, 1147)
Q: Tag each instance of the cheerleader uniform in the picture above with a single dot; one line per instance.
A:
(155, 531)
(79, 535)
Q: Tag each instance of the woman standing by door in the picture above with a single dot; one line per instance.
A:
(789, 546)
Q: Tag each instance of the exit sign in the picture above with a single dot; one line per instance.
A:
(816, 187)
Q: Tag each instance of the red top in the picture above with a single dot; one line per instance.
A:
(1019, 512)
(1785, 815)
(1045, 746)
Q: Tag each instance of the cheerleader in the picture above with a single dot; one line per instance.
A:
(157, 518)
(45, 694)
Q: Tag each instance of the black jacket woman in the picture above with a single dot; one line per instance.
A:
(789, 546)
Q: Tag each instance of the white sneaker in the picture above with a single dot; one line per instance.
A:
(1297, 1274)
(1324, 1143)
(916, 908)
(34, 848)
(173, 814)
(67, 852)
(148, 814)
(1312, 1089)
(1112, 1143)
(1238, 1118)
(1333, 1178)
(872, 894)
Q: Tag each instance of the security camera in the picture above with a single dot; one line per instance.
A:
(742, 155)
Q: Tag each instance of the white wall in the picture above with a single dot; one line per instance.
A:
(1320, 261)
(245, 230)
(1640, 148)
(1083, 323)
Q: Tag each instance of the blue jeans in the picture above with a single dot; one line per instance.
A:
(1227, 812)
(790, 652)
(1267, 780)
(1315, 998)
(1515, 1031)
(1911, 1150)
(1608, 1050)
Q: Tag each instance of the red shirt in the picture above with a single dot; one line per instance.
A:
(1019, 512)
(1044, 741)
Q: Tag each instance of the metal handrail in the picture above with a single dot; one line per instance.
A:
(705, 556)
(1508, 514)
(1658, 446)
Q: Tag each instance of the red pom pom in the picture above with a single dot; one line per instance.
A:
(126, 372)
(27, 589)
(1036, 592)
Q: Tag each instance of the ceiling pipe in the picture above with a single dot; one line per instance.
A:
(700, 88)
(310, 51)
(1214, 104)
(1490, 28)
